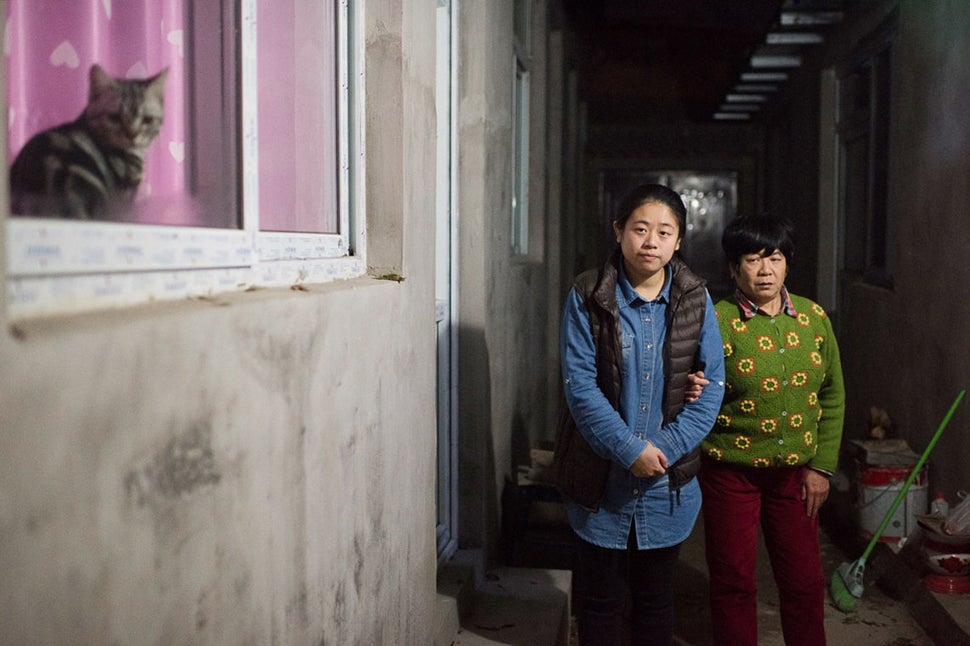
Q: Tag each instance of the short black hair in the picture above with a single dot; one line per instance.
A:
(757, 234)
(646, 193)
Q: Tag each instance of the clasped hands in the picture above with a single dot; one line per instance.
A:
(652, 461)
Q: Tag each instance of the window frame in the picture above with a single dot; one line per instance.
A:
(521, 128)
(873, 239)
(520, 157)
(446, 280)
(57, 266)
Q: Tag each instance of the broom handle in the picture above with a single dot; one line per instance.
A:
(912, 476)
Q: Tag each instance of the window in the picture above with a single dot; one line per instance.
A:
(297, 105)
(520, 162)
(249, 180)
(711, 200)
(446, 282)
(863, 117)
(520, 127)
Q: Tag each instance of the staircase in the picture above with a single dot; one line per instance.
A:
(506, 605)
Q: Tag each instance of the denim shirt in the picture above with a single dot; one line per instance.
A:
(662, 518)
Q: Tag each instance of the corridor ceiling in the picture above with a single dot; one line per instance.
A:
(664, 61)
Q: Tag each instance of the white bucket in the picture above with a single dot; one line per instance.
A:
(878, 488)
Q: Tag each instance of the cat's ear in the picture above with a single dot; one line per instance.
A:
(159, 79)
(99, 80)
(156, 84)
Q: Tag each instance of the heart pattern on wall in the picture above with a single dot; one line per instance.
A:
(65, 54)
(177, 149)
(177, 39)
(137, 71)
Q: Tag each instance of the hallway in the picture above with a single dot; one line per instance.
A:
(273, 402)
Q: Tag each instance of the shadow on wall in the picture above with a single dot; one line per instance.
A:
(520, 443)
(478, 489)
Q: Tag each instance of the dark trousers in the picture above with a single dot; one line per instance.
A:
(607, 577)
(735, 500)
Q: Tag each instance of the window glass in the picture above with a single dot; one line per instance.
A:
(863, 129)
(521, 89)
(711, 199)
(101, 94)
(520, 162)
(297, 116)
(522, 26)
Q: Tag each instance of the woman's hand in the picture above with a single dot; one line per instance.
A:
(815, 489)
(695, 386)
(651, 462)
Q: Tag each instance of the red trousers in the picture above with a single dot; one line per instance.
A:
(736, 499)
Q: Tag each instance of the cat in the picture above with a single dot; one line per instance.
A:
(92, 167)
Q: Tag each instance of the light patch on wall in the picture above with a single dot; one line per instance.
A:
(947, 69)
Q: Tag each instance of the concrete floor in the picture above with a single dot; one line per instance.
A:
(895, 608)
(877, 620)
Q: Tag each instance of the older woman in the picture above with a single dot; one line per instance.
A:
(775, 445)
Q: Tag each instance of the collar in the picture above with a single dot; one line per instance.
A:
(630, 295)
(749, 309)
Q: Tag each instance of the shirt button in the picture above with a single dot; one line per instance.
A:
(780, 441)
(649, 346)
(782, 351)
(636, 492)
(646, 320)
(784, 383)
(784, 413)
(647, 376)
(643, 407)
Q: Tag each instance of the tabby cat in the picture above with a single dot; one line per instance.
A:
(91, 168)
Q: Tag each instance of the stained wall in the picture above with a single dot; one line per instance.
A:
(256, 468)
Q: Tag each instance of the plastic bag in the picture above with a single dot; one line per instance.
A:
(958, 522)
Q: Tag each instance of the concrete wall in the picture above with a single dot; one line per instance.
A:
(921, 329)
(504, 304)
(905, 349)
(255, 472)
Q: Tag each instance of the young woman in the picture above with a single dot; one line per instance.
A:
(631, 333)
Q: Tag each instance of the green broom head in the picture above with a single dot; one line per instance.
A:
(846, 585)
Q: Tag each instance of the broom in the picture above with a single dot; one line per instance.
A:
(846, 584)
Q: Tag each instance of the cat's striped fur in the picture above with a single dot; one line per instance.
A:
(92, 167)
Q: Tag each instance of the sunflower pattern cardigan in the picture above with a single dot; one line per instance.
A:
(784, 399)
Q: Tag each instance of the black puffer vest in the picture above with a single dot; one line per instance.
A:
(580, 473)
